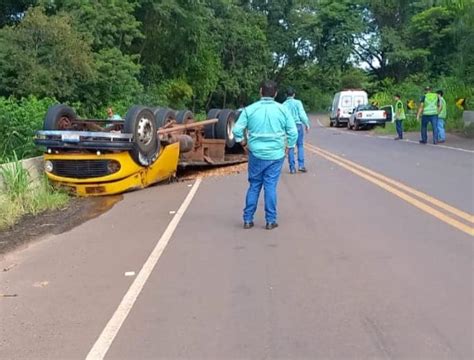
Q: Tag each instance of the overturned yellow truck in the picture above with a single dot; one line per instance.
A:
(92, 157)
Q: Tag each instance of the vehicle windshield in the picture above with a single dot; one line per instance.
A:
(367, 107)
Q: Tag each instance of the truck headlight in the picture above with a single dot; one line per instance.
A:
(48, 166)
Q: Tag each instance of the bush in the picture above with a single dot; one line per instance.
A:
(19, 119)
(20, 196)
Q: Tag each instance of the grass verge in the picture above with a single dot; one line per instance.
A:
(20, 196)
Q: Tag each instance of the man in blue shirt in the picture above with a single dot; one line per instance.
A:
(269, 129)
(296, 109)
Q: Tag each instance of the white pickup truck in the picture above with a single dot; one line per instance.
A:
(369, 116)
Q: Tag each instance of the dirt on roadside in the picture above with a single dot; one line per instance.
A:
(33, 227)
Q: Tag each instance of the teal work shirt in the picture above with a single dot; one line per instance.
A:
(270, 127)
(296, 109)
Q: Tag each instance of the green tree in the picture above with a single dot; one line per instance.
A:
(44, 56)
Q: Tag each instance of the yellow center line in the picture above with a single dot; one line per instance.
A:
(411, 200)
(461, 214)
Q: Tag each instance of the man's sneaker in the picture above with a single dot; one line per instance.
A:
(248, 225)
(292, 171)
(271, 226)
(422, 142)
(303, 169)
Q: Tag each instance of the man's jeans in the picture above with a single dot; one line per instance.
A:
(300, 146)
(264, 173)
(425, 119)
(399, 125)
(441, 132)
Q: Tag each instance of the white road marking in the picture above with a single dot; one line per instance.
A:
(103, 343)
(385, 137)
(130, 273)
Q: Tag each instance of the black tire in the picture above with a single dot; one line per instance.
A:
(184, 117)
(164, 116)
(336, 123)
(59, 117)
(331, 124)
(356, 125)
(349, 127)
(224, 127)
(140, 122)
(209, 130)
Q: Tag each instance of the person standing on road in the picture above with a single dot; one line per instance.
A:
(269, 128)
(429, 110)
(296, 109)
(399, 116)
(442, 112)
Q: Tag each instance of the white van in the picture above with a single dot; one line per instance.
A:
(343, 105)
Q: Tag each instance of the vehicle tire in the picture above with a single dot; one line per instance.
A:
(349, 127)
(383, 125)
(336, 123)
(184, 117)
(331, 124)
(224, 127)
(209, 130)
(141, 122)
(59, 117)
(164, 116)
(356, 126)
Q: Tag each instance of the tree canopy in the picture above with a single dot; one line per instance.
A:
(202, 54)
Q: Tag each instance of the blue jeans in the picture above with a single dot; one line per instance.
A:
(399, 125)
(425, 119)
(300, 146)
(441, 132)
(264, 173)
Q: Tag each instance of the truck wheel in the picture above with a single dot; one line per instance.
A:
(336, 123)
(349, 127)
(331, 124)
(59, 117)
(184, 117)
(140, 122)
(164, 116)
(356, 126)
(209, 130)
(224, 127)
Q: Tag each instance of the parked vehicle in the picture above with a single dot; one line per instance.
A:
(102, 157)
(368, 116)
(343, 104)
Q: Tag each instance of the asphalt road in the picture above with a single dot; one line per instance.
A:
(373, 259)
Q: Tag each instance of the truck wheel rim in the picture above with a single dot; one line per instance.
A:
(145, 131)
(230, 127)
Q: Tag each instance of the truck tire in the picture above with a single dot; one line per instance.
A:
(331, 124)
(59, 117)
(164, 116)
(224, 127)
(356, 126)
(209, 130)
(184, 117)
(349, 126)
(140, 122)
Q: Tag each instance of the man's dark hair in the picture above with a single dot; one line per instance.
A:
(290, 91)
(398, 96)
(269, 88)
(440, 92)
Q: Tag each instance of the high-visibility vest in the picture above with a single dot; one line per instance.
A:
(400, 110)
(443, 111)
(430, 105)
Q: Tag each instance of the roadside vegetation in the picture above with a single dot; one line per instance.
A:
(205, 54)
(19, 195)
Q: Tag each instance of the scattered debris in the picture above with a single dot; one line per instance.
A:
(8, 295)
(9, 267)
(191, 174)
(41, 284)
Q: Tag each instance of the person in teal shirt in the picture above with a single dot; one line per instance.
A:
(269, 129)
(442, 112)
(296, 109)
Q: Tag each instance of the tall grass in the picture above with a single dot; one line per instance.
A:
(19, 195)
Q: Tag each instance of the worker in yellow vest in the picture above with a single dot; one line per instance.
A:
(429, 108)
(399, 116)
